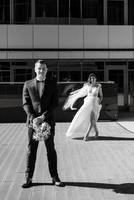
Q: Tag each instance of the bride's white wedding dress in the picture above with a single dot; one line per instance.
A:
(81, 121)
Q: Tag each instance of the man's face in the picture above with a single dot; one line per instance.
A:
(41, 70)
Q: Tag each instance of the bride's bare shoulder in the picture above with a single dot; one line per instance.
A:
(99, 85)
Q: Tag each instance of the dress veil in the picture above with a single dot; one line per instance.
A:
(73, 97)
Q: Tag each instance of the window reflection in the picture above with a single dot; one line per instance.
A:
(4, 12)
(21, 71)
(69, 71)
(4, 72)
(75, 12)
(131, 83)
(92, 11)
(115, 12)
(63, 11)
(131, 12)
(52, 69)
(22, 11)
(46, 11)
(89, 67)
(21, 75)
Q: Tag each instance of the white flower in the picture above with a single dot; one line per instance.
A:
(41, 131)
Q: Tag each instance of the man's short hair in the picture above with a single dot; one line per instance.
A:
(40, 62)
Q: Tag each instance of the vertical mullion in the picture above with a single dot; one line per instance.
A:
(11, 11)
(81, 19)
(57, 11)
(69, 12)
(33, 11)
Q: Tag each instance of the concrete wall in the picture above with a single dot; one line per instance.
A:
(66, 37)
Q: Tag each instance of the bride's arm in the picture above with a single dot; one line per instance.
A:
(100, 94)
(75, 91)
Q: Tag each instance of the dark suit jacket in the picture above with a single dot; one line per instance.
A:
(36, 106)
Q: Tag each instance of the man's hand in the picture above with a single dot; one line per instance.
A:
(31, 117)
(99, 101)
(43, 117)
(38, 120)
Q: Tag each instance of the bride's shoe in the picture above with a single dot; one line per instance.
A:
(97, 135)
(85, 138)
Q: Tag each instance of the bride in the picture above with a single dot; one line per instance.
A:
(86, 117)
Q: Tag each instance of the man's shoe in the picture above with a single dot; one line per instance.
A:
(56, 181)
(28, 183)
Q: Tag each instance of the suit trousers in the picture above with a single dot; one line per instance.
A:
(32, 152)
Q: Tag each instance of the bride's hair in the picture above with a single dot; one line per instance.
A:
(91, 75)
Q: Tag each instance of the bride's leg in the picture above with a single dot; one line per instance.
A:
(88, 131)
(95, 127)
(96, 130)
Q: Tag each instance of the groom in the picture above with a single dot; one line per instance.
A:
(39, 101)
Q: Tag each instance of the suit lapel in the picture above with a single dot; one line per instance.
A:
(45, 87)
(36, 88)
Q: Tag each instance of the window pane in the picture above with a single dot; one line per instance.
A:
(69, 71)
(4, 76)
(131, 65)
(116, 63)
(22, 11)
(4, 66)
(22, 71)
(52, 69)
(131, 12)
(115, 12)
(63, 11)
(46, 11)
(93, 67)
(131, 83)
(75, 11)
(131, 88)
(21, 75)
(4, 12)
(92, 11)
(4, 72)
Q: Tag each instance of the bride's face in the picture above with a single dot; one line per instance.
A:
(93, 79)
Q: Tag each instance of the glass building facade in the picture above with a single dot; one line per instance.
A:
(85, 14)
(108, 12)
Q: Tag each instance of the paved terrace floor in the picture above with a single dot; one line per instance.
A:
(98, 169)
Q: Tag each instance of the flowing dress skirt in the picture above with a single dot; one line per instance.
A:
(82, 119)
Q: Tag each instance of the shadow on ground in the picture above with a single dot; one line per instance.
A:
(103, 138)
(126, 188)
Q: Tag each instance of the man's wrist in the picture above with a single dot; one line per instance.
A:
(31, 117)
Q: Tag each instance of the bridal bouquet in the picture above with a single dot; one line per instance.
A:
(41, 130)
